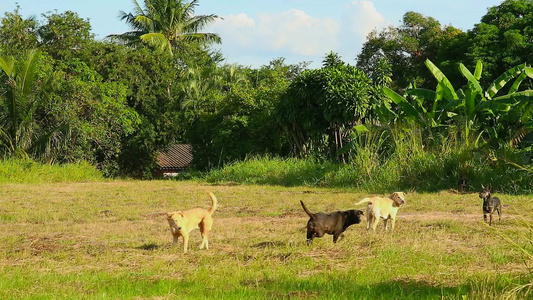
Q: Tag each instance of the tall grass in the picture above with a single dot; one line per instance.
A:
(275, 171)
(386, 159)
(29, 171)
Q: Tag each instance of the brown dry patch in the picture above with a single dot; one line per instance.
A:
(453, 216)
(37, 245)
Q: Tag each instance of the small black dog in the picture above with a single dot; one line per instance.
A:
(462, 184)
(490, 204)
(334, 223)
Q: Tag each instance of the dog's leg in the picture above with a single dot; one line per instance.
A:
(205, 241)
(386, 222)
(368, 219)
(499, 213)
(392, 223)
(337, 236)
(490, 222)
(485, 217)
(375, 221)
(310, 237)
(174, 240)
(185, 242)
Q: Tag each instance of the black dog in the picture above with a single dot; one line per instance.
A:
(333, 223)
(490, 204)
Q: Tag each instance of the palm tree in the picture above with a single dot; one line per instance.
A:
(20, 98)
(166, 25)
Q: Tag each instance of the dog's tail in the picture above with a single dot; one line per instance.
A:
(306, 210)
(213, 203)
(365, 200)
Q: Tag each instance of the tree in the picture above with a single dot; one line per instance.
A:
(503, 39)
(166, 25)
(21, 133)
(17, 35)
(320, 106)
(494, 114)
(408, 46)
(65, 34)
(152, 92)
(237, 119)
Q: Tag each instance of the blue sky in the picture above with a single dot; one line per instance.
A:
(255, 32)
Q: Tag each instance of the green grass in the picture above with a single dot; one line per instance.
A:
(110, 240)
(28, 171)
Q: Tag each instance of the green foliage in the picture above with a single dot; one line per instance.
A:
(407, 47)
(17, 34)
(238, 120)
(496, 117)
(385, 160)
(98, 114)
(64, 34)
(503, 38)
(22, 133)
(319, 104)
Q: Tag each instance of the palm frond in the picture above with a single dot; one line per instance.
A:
(157, 40)
(29, 71)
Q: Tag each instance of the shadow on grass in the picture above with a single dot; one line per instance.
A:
(343, 289)
(270, 244)
(149, 247)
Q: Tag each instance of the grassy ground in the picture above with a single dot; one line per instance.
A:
(110, 240)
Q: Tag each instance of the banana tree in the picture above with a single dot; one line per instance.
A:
(504, 111)
(468, 105)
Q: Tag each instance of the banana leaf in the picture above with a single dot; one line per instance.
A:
(449, 91)
(503, 79)
(407, 107)
(515, 97)
(478, 70)
(430, 95)
(423, 93)
(517, 83)
(528, 114)
(471, 78)
(529, 72)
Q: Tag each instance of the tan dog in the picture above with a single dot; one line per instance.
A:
(183, 222)
(385, 208)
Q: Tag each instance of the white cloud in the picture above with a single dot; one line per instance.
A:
(292, 31)
(297, 35)
(364, 18)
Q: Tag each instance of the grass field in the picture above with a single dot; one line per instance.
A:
(110, 240)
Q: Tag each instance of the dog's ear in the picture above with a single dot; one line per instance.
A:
(482, 187)
(169, 215)
(490, 187)
(181, 214)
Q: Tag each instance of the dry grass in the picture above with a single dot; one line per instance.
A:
(111, 240)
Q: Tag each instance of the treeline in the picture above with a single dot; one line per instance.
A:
(67, 97)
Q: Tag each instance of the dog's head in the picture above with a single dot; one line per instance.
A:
(353, 216)
(398, 198)
(175, 219)
(485, 191)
